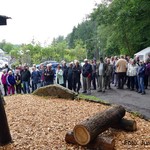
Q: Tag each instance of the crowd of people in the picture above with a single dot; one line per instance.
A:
(95, 74)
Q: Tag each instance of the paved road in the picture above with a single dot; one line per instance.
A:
(131, 100)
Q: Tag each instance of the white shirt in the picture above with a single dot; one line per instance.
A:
(101, 66)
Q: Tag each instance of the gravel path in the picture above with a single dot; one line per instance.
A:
(40, 123)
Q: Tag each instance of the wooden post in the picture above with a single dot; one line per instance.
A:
(89, 129)
(5, 136)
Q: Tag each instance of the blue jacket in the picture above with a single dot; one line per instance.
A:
(87, 70)
(35, 76)
(141, 71)
(10, 80)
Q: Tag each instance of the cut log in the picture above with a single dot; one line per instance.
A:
(89, 129)
(125, 124)
(100, 143)
(69, 138)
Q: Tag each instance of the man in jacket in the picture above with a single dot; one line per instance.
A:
(121, 69)
(86, 76)
(101, 75)
(25, 77)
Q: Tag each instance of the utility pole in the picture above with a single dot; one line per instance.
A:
(5, 136)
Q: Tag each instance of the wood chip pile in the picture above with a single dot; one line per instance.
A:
(42, 122)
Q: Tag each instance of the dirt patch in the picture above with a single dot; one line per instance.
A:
(41, 123)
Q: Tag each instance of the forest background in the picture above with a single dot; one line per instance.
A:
(114, 27)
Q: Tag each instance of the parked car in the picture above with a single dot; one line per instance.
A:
(54, 64)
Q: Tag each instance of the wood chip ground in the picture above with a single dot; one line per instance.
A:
(40, 123)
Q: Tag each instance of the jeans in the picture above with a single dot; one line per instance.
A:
(34, 86)
(141, 84)
(26, 87)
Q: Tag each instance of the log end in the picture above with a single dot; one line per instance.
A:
(81, 135)
(69, 138)
(131, 126)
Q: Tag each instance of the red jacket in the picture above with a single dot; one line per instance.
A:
(3, 78)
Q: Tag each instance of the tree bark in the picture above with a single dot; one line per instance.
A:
(124, 124)
(100, 143)
(5, 136)
(89, 129)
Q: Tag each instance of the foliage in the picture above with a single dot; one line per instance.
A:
(113, 28)
(123, 26)
(92, 99)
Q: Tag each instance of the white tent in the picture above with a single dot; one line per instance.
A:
(143, 54)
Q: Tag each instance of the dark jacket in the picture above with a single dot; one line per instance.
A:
(87, 70)
(76, 72)
(35, 76)
(65, 71)
(70, 73)
(141, 70)
(18, 79)
(147, 69)
(104, 69)
(49, 76)
(25, 75)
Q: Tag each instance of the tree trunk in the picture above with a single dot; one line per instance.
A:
(124, 124)
(89, 129)
(100, 143)
(5, 136)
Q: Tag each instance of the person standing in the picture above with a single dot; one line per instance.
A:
(147, 73)
(18, 82)
(94, 74)
(35, 78)
(76, 77)
(25, 78)
(121, 69)
(59, 76)
(70, 76)
(109, 73)
(140, 77)
(86, 76)
(11, 83)
(4, 82)
(49, 75)
(41, 72)
(65, 72)
(101, 72)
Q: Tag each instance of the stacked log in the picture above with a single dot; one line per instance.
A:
(124, 124)
(88, 132)
(101, 142)
(89, 129)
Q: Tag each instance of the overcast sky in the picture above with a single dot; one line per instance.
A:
(42, 19)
